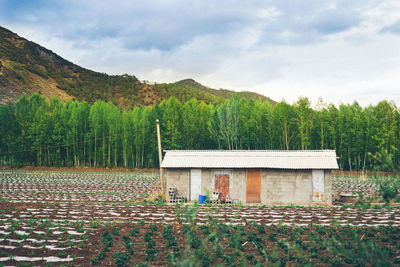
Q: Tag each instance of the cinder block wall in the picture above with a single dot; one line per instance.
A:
(328, 187)
(238, 190)
(283, 187)
(206, 181)
(278, 187)
(178, 178)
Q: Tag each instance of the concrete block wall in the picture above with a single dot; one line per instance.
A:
(284, 187)
(206, 181)
(180, 179)
(328, 187)
(238, 190)
(278, 187)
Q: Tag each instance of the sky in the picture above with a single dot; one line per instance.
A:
(340, 51)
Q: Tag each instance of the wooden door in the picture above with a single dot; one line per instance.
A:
(253, 190)
(221, 185)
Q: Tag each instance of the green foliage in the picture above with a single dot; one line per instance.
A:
(36, 132)
(121, 259)
(134, 231)
(28, 58)
(128, 244)
(26, 63)
(388, 187)
(355, 252)
(107, 239)
(115, 231)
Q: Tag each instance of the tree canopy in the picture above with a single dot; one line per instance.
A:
(34, 131)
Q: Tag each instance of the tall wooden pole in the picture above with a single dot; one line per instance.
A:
(160, 158)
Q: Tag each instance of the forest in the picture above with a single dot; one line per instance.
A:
(34, 131)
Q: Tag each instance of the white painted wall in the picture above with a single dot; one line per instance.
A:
(195, 184)
(318, 185)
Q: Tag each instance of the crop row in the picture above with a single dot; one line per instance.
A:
(28, 186)
(31, 186)
(41, 240)
(253, 244)
(231, 215)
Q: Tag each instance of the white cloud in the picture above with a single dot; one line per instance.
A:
(339, 50)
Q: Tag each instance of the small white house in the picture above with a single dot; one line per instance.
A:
(253, 176)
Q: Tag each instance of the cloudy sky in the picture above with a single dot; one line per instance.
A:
(342, 51)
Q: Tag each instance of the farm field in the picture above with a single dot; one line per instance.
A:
(347, 185)
(41, 186)
(80, 218)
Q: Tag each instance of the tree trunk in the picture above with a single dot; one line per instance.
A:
(95, 148)
(322, 134)
(109, 148)
(286, 137)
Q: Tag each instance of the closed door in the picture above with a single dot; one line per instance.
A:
(195, 183)
(253, 190)
(221, 185)
(318, 185)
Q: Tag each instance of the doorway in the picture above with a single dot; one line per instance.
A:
(221, 185)
(253, 186)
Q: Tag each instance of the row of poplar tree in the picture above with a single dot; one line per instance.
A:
(34, 131)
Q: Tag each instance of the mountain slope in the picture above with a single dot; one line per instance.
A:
(26, 67)
(223, 93)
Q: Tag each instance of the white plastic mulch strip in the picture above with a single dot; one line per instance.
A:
(30, 259)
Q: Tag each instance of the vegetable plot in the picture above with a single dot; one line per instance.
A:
(85, 219)
(34, 186)
(50, 217)
(354, 186)
(247, 245)
(299, 216)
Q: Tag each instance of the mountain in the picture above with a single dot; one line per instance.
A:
(222, 93)
(26, 67)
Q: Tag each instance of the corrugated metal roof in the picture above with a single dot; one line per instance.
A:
(271, 159)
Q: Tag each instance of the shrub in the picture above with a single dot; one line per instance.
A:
(250, 256)
(335, 263)
(203, 258)
(261, 229)
(128, 244)
(151, 252)
(167, 232)
(148, 236)
(107, 239)
(388, 187)
(194, 241)
(121, 259)
(134, 231)
(272, 237)
(171, 243)
(153, 227)
(151, 243)
(115, 231)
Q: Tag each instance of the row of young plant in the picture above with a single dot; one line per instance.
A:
(376, 188)
(189, 244)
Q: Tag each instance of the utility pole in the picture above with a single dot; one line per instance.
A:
(160, 157)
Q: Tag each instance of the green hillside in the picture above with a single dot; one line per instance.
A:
(221, 93)
(26, 67)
